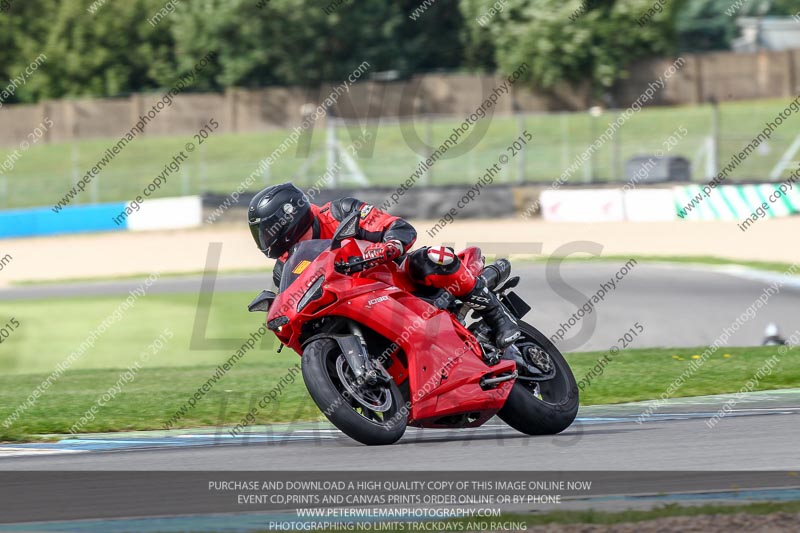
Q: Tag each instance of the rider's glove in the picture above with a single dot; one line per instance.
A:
(384, 251)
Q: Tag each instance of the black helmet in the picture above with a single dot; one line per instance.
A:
(279, 215)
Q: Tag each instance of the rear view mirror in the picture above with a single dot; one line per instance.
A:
(347, 228)
(262, 302)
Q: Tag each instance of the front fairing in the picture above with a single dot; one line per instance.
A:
(312, 259)
(299, 274)
(300, 257)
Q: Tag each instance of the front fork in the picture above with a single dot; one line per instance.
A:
(358, 358)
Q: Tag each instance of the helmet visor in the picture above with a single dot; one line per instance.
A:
(269, 231)
(255, 231)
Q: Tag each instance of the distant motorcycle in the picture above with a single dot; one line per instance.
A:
(379, 354)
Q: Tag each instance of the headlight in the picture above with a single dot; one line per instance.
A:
(276, 323)
(314, 292)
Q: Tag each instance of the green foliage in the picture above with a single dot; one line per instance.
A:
(113, 51)
(703, 25)
(574, 41)
(295, 42)
(479, 50)
(784, 7)
(434, 40)
(21, 41)
(106, 49)
(112, 48)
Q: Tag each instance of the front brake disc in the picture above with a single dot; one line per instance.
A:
(538, 358)
(374, 398)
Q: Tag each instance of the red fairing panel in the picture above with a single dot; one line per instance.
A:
(471, 258)
(445, 364)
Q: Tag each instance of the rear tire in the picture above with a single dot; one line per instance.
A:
(558, 406)
(339, 406)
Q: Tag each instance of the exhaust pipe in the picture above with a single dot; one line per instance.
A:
(496, 273)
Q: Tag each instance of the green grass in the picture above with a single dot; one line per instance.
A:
(158, 391)
(266, 270)
(154, 397)
(635, 375)
(49, 330)
(771, 266)
(45, 172)
(592, 516)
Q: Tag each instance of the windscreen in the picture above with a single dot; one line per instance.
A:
(304, 251)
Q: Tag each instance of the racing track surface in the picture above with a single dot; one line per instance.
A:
(671, 457)
(757, 437)
(678, 305)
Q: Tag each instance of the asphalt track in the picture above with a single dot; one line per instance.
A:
(672, 456)
(678, 305)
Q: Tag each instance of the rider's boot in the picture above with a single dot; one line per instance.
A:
(486, 304)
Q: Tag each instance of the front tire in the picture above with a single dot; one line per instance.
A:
(333, 388)
(545, 407)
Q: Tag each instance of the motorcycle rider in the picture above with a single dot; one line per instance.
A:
(280, 216)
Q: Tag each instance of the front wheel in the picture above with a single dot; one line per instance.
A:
(371, 414)
(542, 407)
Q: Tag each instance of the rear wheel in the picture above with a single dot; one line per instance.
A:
(371, 414)
(541, 407)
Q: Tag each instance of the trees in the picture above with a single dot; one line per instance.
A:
(113, 48)
(23, 31)
(302, 42)
(112, 51)
(574, 40)
(106, 48)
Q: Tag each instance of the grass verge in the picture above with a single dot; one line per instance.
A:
(591, 516)
(47, 171)
(770, 266)
(266, 271)
(158, 392)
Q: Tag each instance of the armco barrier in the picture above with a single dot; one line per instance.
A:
(154, 214)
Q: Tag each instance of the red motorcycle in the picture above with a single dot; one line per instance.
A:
(379, 354)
